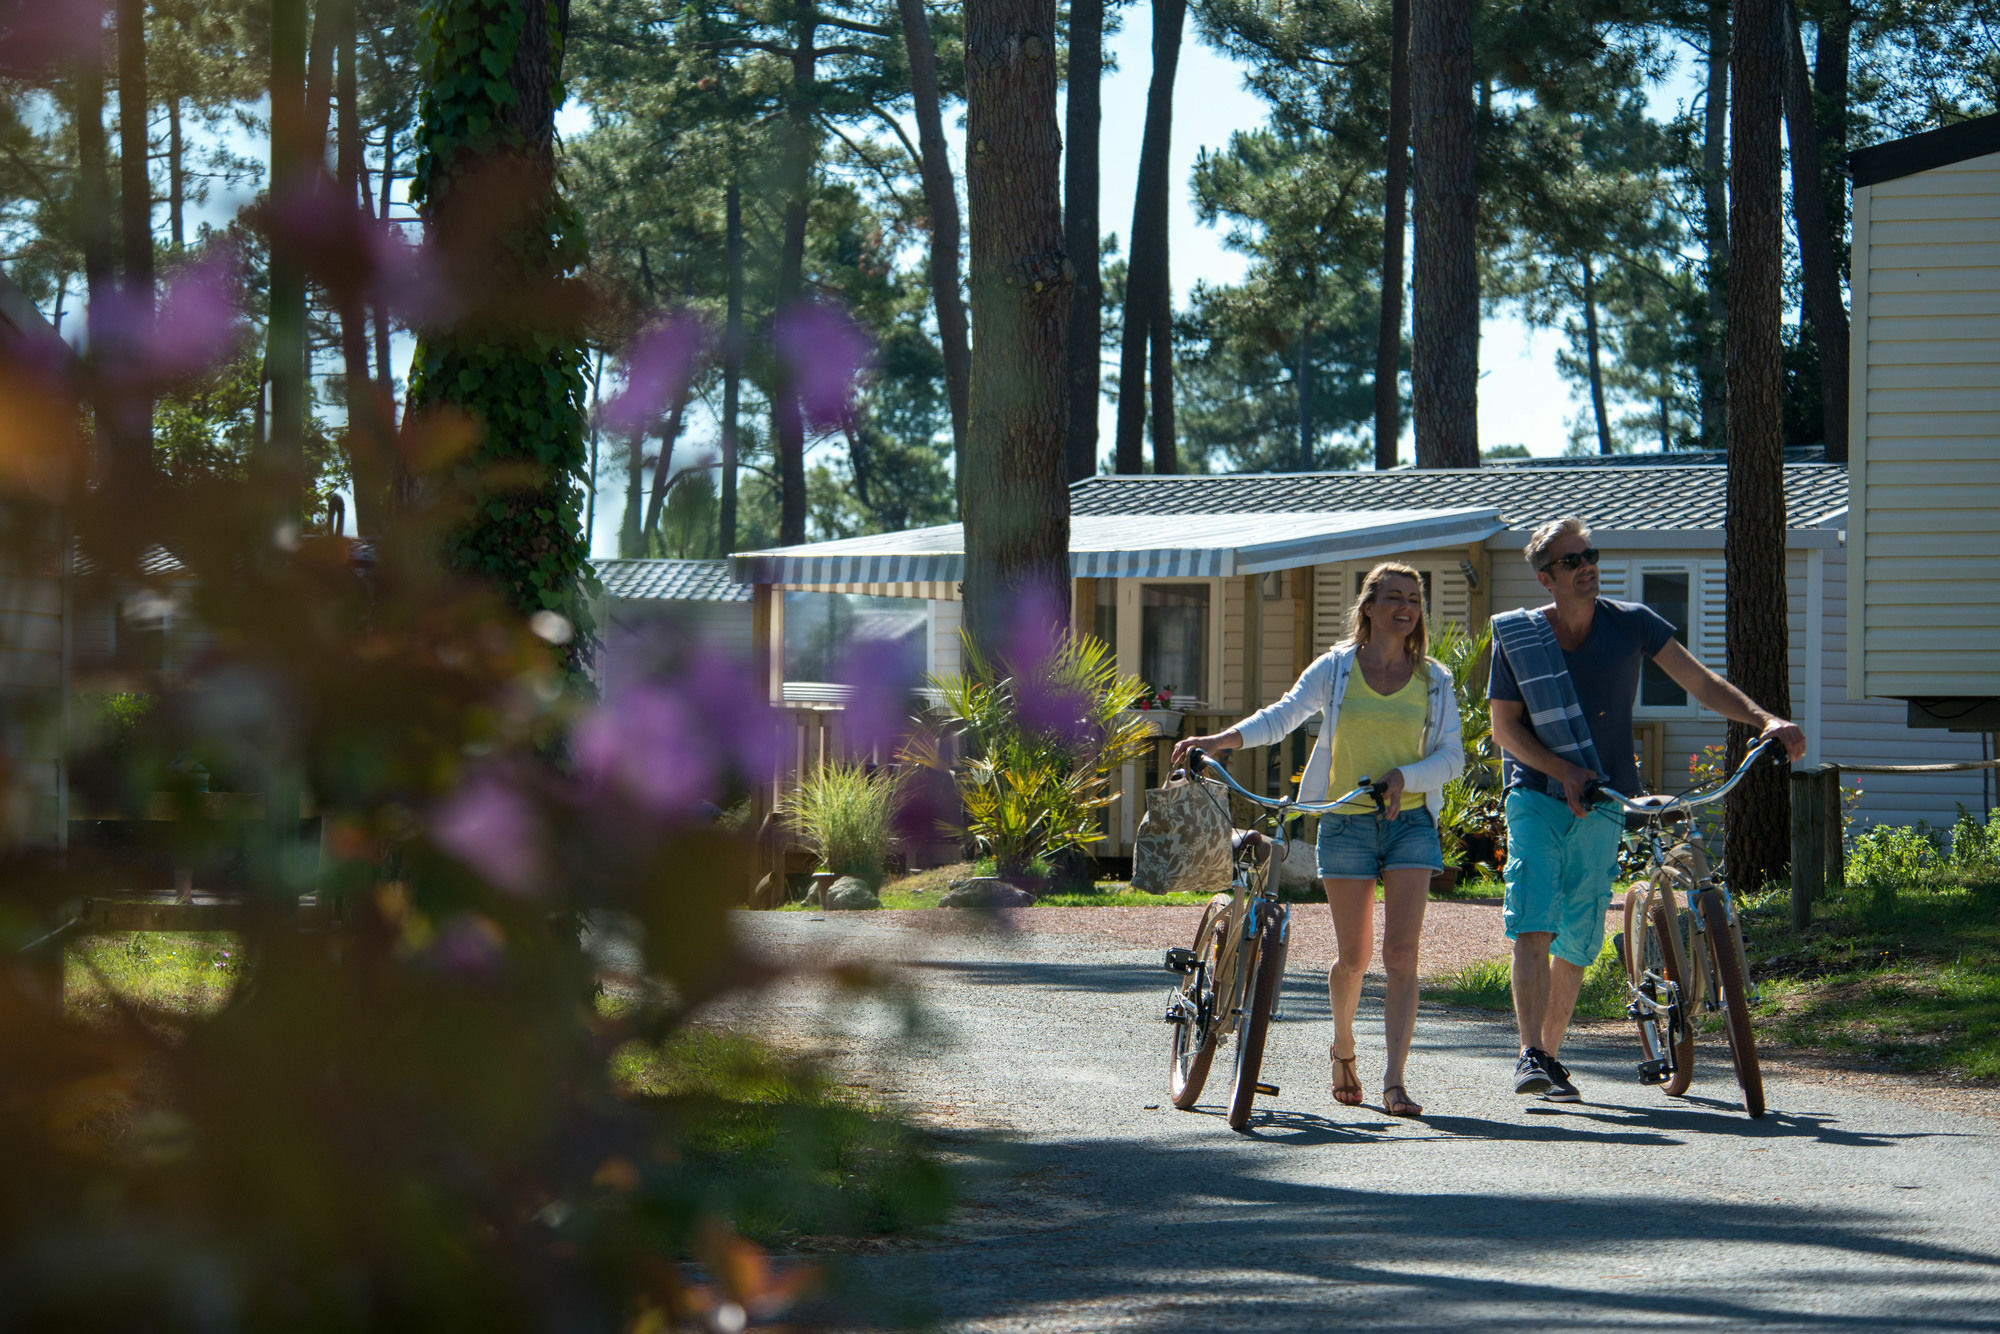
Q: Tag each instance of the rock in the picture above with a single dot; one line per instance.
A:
(850, 892)
(985, 892)
(1300, 868)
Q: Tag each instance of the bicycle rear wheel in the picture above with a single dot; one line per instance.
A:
(1653, 946)
(1729, 978)
(1196, 1028)
(1259, 1001)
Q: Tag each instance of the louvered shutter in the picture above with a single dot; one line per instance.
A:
(1330, 603)
(1451, 598)
(1614, 580)
(1711, 617)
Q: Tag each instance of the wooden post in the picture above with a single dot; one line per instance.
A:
(1809, 842)
(1833, 873)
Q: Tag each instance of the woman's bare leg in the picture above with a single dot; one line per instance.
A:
(1352, 903)
(1405, 894)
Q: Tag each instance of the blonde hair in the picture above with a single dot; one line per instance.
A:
(1545, 537)
(1358, 627)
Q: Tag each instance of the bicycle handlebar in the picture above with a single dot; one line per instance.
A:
(1197, 758)
(1595, 791)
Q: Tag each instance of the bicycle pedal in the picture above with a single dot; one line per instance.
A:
(1180, 961)
(1655, 1072)
(1268, 1090)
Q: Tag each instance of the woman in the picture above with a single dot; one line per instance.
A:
(1391, 714)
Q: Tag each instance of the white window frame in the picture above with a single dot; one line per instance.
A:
(1635, 586)
(828, 692)
(1127, 603)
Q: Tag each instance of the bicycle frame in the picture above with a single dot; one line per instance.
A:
(1662, 1003)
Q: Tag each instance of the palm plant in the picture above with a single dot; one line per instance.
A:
(1464, 652)
(1036, 752)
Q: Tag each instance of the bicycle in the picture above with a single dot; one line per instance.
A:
(1229, 979)
(1681, 958)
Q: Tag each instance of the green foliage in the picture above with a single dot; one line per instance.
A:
(1488, 984)
(1465, 798)
(846, 814)
(1975, 843)
(1889, 860)
(1034, 786)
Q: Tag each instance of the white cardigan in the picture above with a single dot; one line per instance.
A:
(1321, 688)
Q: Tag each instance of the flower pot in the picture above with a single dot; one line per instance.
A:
(1160, 722)
(822, 881)
(1443, 882)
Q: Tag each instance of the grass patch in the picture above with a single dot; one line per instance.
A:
(780, 1149)
(168, 973)
(1489, 985)
(1909, 981)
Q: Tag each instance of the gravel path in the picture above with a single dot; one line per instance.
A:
(1093, 1205)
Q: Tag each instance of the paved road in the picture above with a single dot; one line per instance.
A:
(1096, 1206)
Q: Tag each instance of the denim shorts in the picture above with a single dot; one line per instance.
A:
(1560, 868)
(1361, 847)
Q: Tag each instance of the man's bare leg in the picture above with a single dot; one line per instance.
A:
(1565, 982)
(1531, 985)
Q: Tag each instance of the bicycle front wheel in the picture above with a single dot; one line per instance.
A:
(1259, 1002)
(1653, 948)
(1730, 979)
(1196, 1027)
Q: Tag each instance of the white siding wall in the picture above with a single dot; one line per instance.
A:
(1875, 731)
(1926, 433)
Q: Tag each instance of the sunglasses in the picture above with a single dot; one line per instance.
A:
(1587, 556)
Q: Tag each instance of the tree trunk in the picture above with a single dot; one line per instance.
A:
(1166, 459)
(176, 177)
(132, 439)
(1819, 268)
(631, 535)
(941, 199)
(670, 435)
(1759, 837)
(732, 355)
(1395, 217)
(1016, 505)
(1830, 56)
(1146, 268)
(1302, 381)
(1444, 316)
(788, 428)
(1081, 233)
(285, 348)
(383, 370)
(369, 448)
(1591, 351)
(1715, 222)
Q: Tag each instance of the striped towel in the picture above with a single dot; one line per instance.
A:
(1547, 693)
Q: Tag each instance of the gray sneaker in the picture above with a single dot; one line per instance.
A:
(1560, 1089)
(1531, 1073)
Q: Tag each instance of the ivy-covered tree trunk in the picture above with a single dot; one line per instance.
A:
(1759, 839)
(514, 360)
(1016, 502)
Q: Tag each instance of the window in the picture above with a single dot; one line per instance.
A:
(1104, 614)
(1173, 637)
(1666, 592)
(821, 628)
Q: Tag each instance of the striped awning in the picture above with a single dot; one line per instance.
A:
(1134, 546)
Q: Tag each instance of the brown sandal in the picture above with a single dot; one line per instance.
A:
(1349, 1094)
(1400, 1104)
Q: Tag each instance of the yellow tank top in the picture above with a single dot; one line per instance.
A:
(1377, 733)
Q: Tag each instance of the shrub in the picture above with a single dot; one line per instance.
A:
(1036, 750)
(846, 813)
(1889, 859)
(1975, 843)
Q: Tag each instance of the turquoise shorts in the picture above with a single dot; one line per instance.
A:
(1560, 869)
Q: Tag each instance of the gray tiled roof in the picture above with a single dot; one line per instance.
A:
(671, 580)
(1662, 496)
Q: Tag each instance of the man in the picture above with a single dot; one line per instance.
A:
(1563, 681)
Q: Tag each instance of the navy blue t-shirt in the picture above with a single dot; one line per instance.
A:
(1605, 671)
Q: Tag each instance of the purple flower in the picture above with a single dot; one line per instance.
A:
(470, 944)
(194, 328)
(825, 351)
(877, 675)
(408, 279)
(658, 366)
(494, 829)
(670, 742)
